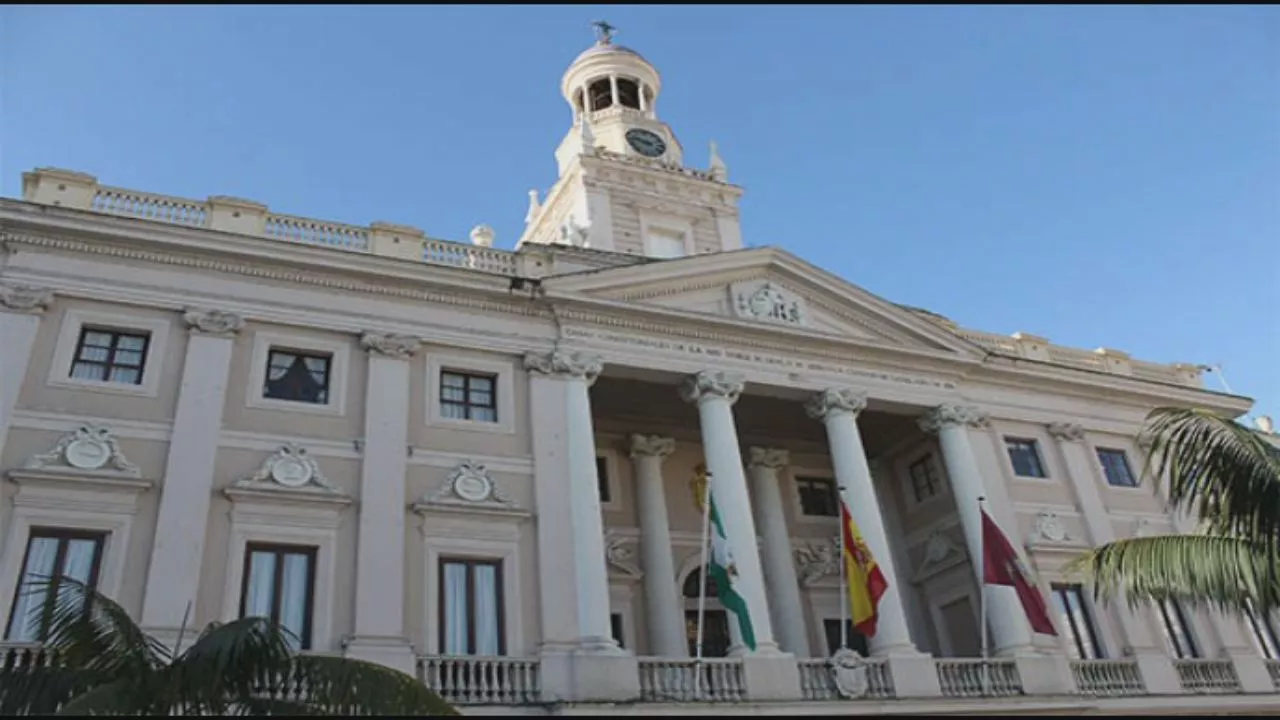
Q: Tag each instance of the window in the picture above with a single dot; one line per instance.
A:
(628, 93)
(818, 496)
(51, 553)
(298, 376)
(468, 397)
(1264, 634)
(856, 640)
(615, 625)
(1115, 465)
(1177, 631)
(471, 607)
(279, 584)
(925, 482)
(601, 94)
(1073, 615)
(602, 478)
(1025, 458)
(110, 356)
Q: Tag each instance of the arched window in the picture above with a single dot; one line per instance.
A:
(691, 585)
(715, 635)
(629, 93)
(600, 93)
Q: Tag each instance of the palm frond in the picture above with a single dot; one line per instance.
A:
(1222, 472)
(355, 687)
(33, 682)
(88, 630)
(230, 662)
(1227, 573)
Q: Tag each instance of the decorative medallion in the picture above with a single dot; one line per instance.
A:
(88, 447)
(1049, 526)
(291, 466)
(619, 552)
(469, 482)
(849, 672)
(762, 300)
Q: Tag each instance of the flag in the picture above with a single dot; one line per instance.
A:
(866, 582)
(1001, 566)
(722, 570)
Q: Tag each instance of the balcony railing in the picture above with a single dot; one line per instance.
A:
(968, 677)
(688, 680)
(466, 680)
(1108, 678)
(1207, 676)
(817, 682)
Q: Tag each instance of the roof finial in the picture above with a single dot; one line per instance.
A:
(718, 169)
(604, 32)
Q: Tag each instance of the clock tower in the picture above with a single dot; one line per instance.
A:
(623, 185)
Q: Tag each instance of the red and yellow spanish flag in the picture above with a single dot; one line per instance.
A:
(866, 582)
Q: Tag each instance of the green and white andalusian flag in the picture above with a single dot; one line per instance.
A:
(723, 571)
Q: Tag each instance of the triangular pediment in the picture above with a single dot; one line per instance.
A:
(764, 287)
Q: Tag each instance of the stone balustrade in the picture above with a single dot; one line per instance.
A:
(971, 677)
(1108, 678)
(63, 188)
(1207, 676)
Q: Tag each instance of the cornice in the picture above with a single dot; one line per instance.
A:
(331, 280)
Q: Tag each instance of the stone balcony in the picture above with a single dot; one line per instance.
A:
(504, 685)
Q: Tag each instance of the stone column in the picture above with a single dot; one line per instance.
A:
(838, 409)
(20, 309)
(177, 550)
(663, 609)
(580, 659)
(781, 582)
(1010, 631)
(380, 563)
(769, 674)
(1154, 663)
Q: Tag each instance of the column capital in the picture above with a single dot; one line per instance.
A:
(770, 458)
(833, 400)
(712, 383)
(946, 416)
(390, 345)
(1065, 431)
(218, 323)
(650, 445)
(25, 298)
(565, 364)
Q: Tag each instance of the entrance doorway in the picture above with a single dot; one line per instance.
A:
(715, 628)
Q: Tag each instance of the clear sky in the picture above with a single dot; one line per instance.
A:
(1102, 176)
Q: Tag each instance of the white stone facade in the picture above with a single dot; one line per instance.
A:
(482, 462)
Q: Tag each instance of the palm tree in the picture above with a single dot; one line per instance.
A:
(1228, 477)
(97, 661)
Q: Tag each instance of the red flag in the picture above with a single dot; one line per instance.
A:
(1001, 566)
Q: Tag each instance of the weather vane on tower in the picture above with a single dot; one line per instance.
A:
(604, 32)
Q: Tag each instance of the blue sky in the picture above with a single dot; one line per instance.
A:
(1102, 176)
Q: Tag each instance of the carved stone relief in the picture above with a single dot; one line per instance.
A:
(817, 560)
(290, 467)
(1048, 526)
(620, 553)
(469, 483)
(849, 671)
(766, 301)
(88, 448)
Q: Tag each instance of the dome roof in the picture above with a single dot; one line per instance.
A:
(603, 48)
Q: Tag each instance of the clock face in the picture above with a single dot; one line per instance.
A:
(646, 143)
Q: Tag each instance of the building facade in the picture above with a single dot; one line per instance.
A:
(479, 465)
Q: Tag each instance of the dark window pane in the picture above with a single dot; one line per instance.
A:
(925, 482)
(856, 640)
(615, 625)
(51, 554)
(297, 376)
(465, 396)
(279, 584)
(1115, 466)
(101, 354)
(471, 607)
(1074, 617)
(602, 477)
(818, 496)
(1025, 458)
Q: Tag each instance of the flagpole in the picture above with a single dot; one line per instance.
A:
(982, 598)
(702, 584)
(844, 590)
